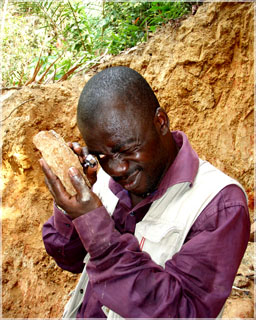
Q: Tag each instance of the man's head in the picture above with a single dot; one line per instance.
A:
(122, 124)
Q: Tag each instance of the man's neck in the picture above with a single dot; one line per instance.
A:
(135, 199)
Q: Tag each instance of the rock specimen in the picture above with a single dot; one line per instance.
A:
(59, 157)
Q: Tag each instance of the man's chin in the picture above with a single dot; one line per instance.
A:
(140, 187)
(143, 193)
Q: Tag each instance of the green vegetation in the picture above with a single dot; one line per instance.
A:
(51, 40)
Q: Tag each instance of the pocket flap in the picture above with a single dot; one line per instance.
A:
(156, 231)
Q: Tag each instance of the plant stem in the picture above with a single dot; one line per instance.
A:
(47, 70)
(85, 49)
(103, 16)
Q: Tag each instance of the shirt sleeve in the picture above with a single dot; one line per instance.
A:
(63, 243)
(194, 283)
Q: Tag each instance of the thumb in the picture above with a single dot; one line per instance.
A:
(77, 180)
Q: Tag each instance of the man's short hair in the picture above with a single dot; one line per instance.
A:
(119, 82)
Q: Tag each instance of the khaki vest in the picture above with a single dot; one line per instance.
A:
(164, 228)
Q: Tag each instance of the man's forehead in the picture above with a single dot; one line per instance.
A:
(118, 121)
(115, 127)
(118, 109)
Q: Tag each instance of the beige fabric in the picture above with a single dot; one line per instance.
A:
(77, 296)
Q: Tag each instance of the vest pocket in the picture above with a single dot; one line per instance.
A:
(161, 240)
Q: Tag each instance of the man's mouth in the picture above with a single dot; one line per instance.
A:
(133, 181)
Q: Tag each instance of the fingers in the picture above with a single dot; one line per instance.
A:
(81, 152)
(77, 180)
(83, 156)
(91, 173)
(53, 182)
(88, 162)
(49, 186)
(46, 169)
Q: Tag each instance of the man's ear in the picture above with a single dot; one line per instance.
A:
(161, 121)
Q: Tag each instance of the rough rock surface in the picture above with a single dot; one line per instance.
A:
(59, 157)
(202, 72)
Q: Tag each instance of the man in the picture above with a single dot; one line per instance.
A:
(164, 232)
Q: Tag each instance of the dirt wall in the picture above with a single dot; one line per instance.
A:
(201, 70)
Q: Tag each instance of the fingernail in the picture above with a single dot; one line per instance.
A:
(73, 171)
(40, 162)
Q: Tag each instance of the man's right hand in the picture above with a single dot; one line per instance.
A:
(76, 205)
(82, 153)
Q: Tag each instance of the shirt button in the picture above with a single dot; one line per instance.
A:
(132, 213)
(67, 225)
(81, 291)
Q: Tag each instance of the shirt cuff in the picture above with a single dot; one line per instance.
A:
(63, 223)
(97, 231)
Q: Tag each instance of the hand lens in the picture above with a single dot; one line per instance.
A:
(90, 161)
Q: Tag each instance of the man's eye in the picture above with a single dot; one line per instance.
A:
(130, 150)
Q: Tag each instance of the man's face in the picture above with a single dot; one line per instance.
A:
(129, 150)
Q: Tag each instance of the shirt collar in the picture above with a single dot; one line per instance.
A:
(183, 169)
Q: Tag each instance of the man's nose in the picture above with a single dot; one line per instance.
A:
(117, 167)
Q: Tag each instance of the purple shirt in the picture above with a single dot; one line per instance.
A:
(194, 283)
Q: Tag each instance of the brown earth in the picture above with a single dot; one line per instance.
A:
(202, 72)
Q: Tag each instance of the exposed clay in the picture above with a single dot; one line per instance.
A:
(201, 70)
